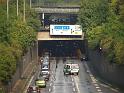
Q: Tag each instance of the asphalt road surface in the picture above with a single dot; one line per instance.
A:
(84, 82)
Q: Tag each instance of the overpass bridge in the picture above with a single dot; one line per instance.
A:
(42, 36)
(57, 10)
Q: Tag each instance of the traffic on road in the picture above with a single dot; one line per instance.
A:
(65, 75)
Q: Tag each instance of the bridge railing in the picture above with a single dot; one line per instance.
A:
(58, 5)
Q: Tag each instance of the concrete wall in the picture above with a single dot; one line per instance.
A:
(111, 72)
(29, 60)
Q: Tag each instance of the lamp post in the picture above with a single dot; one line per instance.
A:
(24, 10)
(7, 9)
(30, 4)
(17, 7)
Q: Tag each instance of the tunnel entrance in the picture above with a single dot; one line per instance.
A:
(59, 48)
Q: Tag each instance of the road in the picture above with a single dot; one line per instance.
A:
(85, 82)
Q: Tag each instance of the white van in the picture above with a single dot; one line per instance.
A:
(74, 69)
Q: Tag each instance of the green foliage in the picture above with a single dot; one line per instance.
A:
(7, 63)
(103, 23)
(94, 36)
(122, 13)
(15, 37)
(93, 13)
(31, 20)
(22, 34)
(119, 51)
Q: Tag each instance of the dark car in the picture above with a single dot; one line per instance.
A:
(67, 69)
(84, 58)
(33, 89)
(46, 76)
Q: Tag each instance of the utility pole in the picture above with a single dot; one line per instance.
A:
(24, 10)
(17, 7)
(30, 4)
(7, 9)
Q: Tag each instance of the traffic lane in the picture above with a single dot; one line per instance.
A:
(49, 83)
(108, 89)
(52, 73)
(99, 85)
(31, 81)
(84, 81)
(81, 82)
(62, 84)
(35, 76)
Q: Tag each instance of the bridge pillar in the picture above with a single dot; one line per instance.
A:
(43, 18)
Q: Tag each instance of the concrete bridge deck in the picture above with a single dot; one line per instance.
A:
(57, 10)
(46, 36)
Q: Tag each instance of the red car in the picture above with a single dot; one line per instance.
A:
(33, 89)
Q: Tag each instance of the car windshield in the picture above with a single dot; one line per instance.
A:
(45, 66)
(40, 78)
(75, 67)
(66, 66)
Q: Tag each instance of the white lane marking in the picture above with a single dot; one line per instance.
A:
(94, 81)
(50, 84)
(49, 89)
(109, 87)
(74, 89)
(99, 90)
(92, 78)
(96, 84)
(76, 80)
(91, 75)
(97, 87)
(72, 79)
(114, 89)
(29, 84)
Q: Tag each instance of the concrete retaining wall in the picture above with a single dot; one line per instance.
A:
(29, 59)
(110, 72)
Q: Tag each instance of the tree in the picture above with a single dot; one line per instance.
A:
(7, 63)
(103, 23)
(93, 13)
(16, 37)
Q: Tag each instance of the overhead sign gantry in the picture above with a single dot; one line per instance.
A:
(65, 30)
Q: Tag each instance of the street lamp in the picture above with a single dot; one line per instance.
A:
(24, 10)
(17, 7)
(7, 9)
(30, 4)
